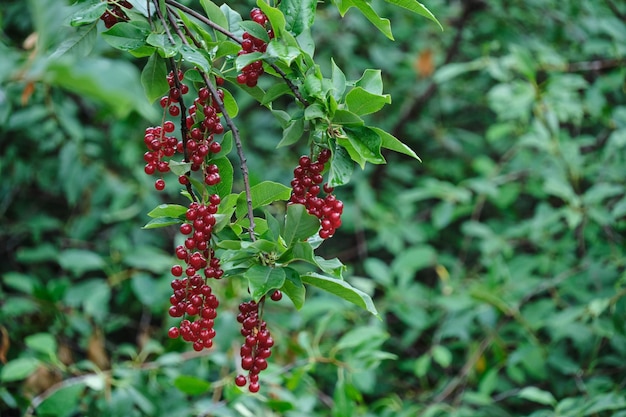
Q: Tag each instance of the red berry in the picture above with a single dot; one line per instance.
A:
(276, 295)
(159, 184)
(173, 332)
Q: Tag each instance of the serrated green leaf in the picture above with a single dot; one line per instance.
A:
(262, 278)
(415, 7)
(388, 141)
(299, 225)
(168, 210)
(292, 133)
(245, 59)
(18, 369)
(314, 111)
(90, 12)
(341, 289)
(233, 19)
(262, 194)
(361, 101)
(299, 14)
(191, 385)
(153, 78)
(293, 287)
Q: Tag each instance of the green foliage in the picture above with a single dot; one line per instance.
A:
(496, 266)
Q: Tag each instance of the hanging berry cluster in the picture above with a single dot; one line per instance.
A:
(116, 13)
(250, 73)
(193, 295)
(257, 346)
(306, 187)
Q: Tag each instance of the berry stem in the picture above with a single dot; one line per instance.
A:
(202, 18)
(243, 165)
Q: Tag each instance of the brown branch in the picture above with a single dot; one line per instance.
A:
(203, 19)
(615, 10)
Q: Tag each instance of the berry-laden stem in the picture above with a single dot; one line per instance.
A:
(294, 88)
(243, 165)
(236, 137)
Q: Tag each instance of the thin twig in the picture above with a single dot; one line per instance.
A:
(203, 19)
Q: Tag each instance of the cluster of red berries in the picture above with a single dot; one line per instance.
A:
(115, 13)
(306, 187)
(192, 295)
(203, 123)
(250, 73)
(257, 346)
(159, 145)
(172, 98)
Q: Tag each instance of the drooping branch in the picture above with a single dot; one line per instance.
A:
(236, 137)
(294, 89)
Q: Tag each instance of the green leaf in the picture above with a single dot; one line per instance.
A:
(230, 104)
(341, 289)
(168, 210)
(364, 144)
(381, 24)
(284, 53)
(254, 29)
(163, 44)
(216, 15)
(79, 261)
(371, 81)
(442, 356)
(262, 194)
(275, 16)
(233, 19)
(392, 143)
(361, 101)
(179, 167)
(43, 343)
(153, 78)
(18, 369)
(226, 170)
(63, 402)
(79, 44)
(299, 14)
(339, 80)
(415, 7)
(341, 167)
(293, 287)
(89, 12)
(162, 222)
(262, 278)
(537, 395)
(299, 225)
(194, 56)
(275, 91)
(315, 111)
(126, 36)
(191, 385)
(245, 59)
(345, 117)
(292, 133)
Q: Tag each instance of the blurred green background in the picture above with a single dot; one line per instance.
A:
(498, 264)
